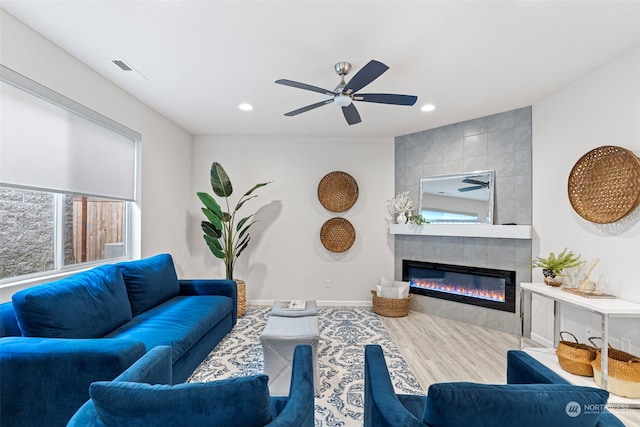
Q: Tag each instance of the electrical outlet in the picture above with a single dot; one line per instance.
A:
(625, 344)
(326, 283)
(588, 331)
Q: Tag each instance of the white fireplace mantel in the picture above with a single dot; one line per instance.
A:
(464, 230)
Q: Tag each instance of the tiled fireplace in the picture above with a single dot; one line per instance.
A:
(500, 142)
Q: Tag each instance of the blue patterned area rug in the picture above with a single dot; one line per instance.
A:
(343, 334)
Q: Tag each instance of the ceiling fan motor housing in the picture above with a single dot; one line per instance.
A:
(343, 68)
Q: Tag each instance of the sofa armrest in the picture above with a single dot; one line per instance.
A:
(382, 408)
(297, 409)
(152, 368)
(8, 322)
(224, 287)
(43, 381)
(524, 369)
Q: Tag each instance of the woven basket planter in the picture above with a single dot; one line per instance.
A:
(390, 307)
(242, 297)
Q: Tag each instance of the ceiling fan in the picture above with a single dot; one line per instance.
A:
(345, 93)
(477, 185)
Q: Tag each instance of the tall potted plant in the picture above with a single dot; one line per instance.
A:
(226, 235)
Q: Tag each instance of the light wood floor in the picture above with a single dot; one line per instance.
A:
(438, 349)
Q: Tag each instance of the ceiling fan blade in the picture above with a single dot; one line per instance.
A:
(386, 98)
(351, 114)
(305, 87)
(309, 107)
(366, 75)
(477, 187)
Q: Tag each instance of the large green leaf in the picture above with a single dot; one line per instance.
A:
(256, 187)
(244, 199)
(242, 202)
(245, 229)
(242, 222)
(210, 203)
(211, 242)
(210, 230)
(220, 181)
(242, 245)
(213, 218)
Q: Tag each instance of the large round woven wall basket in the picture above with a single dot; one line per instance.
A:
(337, 235)
(604, 185)
(337, 191)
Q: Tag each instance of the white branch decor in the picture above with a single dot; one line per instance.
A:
(400, 203)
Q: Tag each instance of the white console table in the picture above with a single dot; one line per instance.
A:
(605, 307)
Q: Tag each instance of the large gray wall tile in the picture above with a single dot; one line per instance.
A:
(475, 126)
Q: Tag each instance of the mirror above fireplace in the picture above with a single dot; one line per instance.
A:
(465, 198)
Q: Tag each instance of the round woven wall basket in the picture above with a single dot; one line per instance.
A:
(337, 235)
(337, 191)
(604, 185)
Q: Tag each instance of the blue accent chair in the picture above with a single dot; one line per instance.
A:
(142, 396)
(534, 399)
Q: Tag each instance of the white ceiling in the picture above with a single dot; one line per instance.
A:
(203, 58)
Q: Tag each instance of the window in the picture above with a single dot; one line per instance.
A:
(91, 230)
(67, 181)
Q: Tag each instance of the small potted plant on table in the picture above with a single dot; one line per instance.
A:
(553, 265)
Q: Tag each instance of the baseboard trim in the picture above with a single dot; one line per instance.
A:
(320, 303)
(541, 340)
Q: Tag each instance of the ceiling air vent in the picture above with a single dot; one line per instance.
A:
(123, 65)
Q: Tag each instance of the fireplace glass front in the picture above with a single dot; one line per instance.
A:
(490, 288)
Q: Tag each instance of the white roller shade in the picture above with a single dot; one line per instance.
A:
(47, 147)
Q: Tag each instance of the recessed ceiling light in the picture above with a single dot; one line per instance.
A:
(428, 107)
(245, 107)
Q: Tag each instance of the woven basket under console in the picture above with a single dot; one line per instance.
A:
(623, 372)
(575, 357)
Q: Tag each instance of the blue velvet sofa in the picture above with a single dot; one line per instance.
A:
(143, 396)
(58, 338)
(534, 396)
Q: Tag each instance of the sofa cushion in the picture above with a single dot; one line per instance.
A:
(149, 281)
(525, 405)
(86, 305)
(231, 402)
(179, 322)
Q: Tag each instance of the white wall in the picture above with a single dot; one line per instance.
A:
(285, 258)
(166, 148)
(602, 108)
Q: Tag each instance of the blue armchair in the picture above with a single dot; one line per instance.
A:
(463, 404)
(140, 396)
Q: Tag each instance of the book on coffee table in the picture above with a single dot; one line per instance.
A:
(294, 305)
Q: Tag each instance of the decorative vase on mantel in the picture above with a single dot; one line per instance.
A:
(242, 297)
(550, 278)
(402, 218)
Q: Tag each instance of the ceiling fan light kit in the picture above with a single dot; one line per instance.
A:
(345, 93)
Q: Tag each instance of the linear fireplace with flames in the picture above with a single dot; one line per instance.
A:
(484, 287)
